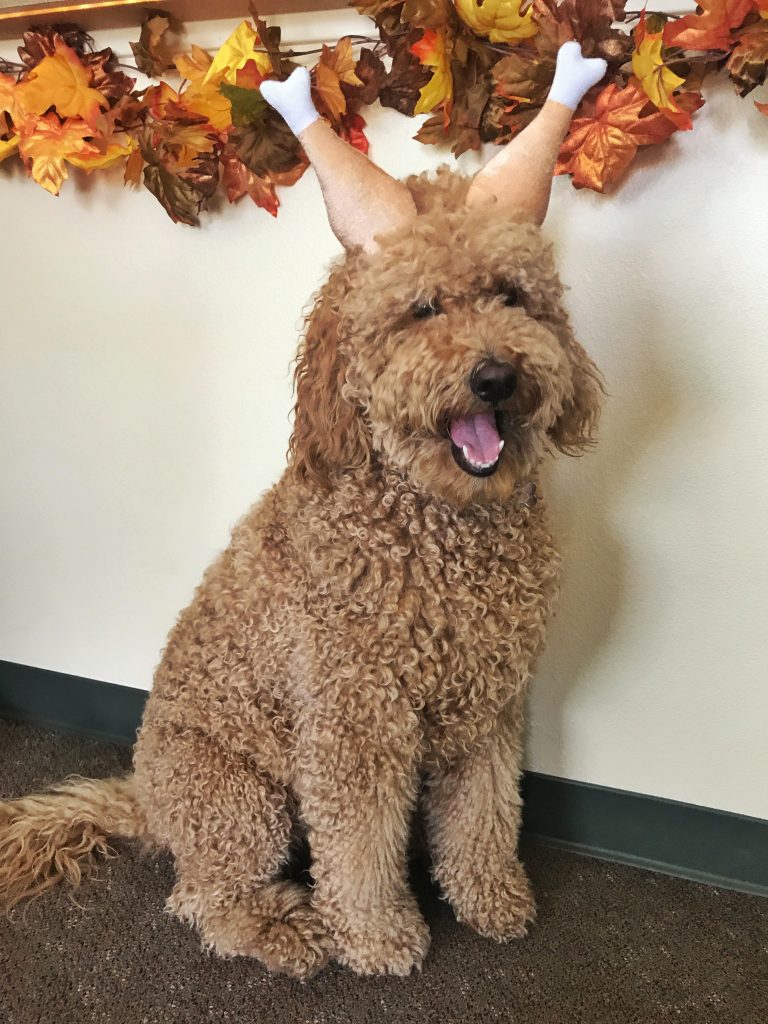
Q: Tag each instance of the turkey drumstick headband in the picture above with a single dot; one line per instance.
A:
(363, 201)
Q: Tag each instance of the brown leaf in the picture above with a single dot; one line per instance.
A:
(40, 43)
(400, 89)
(133, 167)
(106, 75)
(267, 147)
(373, 8)
(748, 62)
(588, 21)
(183, 193)
(473, 89)
(428, 13)
(270, 36)
(433, 131)
(502, 119)
(371, 72)
(523, 74)
(129, 112)
(158, 43)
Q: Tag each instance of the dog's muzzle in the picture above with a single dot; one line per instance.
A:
(477, 443)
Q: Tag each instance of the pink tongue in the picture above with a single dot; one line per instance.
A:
(478, 432)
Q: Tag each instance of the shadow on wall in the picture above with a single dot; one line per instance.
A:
(584, 495)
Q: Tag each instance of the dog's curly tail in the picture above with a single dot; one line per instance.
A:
(51, 837)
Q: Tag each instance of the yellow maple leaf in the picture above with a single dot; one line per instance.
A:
(45, 144)
(62, 82)
(500, 20)
(432, 52)
(236, 52)
(108, 152)
(203, 96)
(8, 146)
(657, 80)
(193, 65)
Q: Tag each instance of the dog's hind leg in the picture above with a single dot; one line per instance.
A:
(229, 827)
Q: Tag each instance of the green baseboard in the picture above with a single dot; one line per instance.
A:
(698, 843)
(55, 700)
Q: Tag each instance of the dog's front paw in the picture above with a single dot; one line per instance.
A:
(500, 907)
(391, 939)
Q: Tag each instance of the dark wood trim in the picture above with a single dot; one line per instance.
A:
(93, 15)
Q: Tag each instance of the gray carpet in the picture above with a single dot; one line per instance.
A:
(613, 944)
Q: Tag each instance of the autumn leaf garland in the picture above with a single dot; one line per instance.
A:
(492, 62)
(480, 68)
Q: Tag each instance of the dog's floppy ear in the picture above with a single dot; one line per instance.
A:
(328, 429)
(574, 429)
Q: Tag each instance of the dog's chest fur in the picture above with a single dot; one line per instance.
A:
(449, 606)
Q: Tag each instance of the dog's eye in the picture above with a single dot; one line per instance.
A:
(423, 310)
(512, 296)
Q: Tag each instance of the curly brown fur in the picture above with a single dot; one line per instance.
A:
(52, 837)
(365, 642)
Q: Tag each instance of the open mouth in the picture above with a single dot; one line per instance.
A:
(476, 442)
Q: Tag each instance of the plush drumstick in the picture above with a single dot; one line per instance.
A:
(362, 200)
(520, 176)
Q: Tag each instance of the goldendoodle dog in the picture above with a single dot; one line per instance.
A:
(363, 646)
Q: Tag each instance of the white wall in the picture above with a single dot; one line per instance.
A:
(145, 400)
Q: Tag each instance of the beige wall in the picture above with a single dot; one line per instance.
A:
(144, 404)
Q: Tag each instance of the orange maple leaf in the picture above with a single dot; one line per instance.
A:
(45, 143)
(238, 181)
(157, 98)
(249, 76)
(62, 82)
(342, 60)
(334, 67)
(710, 27)
(599, 149)
(9, 97)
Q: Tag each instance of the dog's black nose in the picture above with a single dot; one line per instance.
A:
(493, 381)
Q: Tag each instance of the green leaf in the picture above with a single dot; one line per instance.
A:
(248, 105)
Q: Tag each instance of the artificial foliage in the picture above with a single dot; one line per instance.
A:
(480, 69)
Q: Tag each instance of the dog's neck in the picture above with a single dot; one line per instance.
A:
(388, 485)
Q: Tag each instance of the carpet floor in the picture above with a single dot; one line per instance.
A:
(613, 945)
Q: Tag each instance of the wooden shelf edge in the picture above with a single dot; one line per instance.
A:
(93, 15)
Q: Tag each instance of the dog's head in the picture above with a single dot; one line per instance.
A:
(446, 354)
